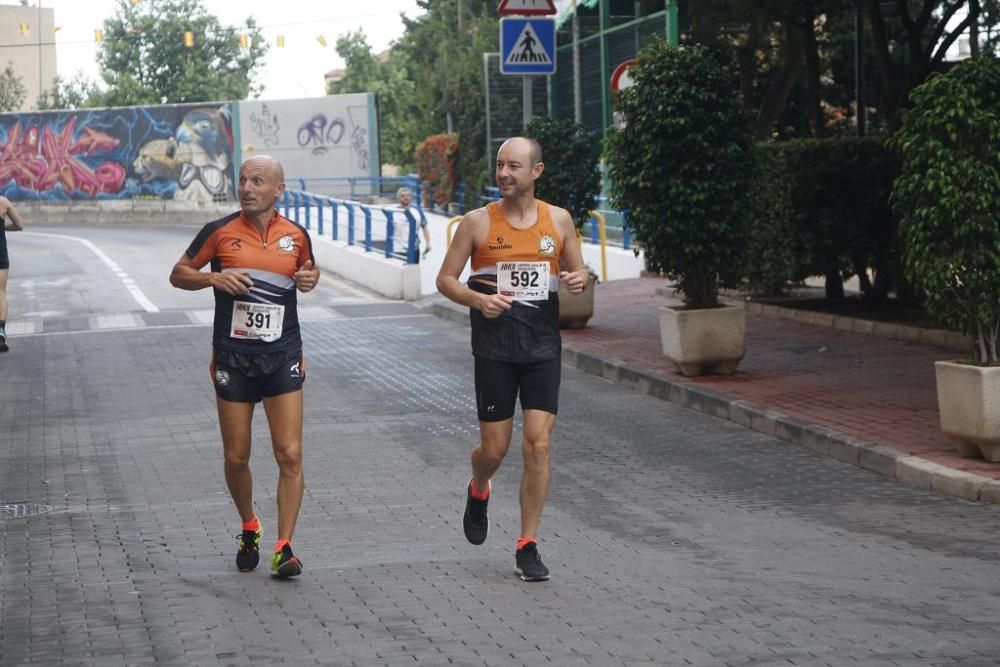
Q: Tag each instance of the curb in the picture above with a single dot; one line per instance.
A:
(881, 459)
(949, 340)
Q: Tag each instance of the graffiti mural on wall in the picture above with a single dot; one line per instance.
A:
(166, 152)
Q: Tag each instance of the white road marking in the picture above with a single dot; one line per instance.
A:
(130, 284)
(32, 328)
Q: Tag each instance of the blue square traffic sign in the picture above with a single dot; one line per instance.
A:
(527, 45)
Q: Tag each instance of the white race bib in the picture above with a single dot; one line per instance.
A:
(257, 321)
(524, 281)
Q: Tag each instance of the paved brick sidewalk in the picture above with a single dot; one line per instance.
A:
(872, 388)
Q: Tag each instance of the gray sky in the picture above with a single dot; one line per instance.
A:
(294, 71)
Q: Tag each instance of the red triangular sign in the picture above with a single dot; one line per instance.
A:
(526, 7)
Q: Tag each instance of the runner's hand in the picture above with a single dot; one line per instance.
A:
(306, 277)
(573, 280)
(234, 283)
(492, 306)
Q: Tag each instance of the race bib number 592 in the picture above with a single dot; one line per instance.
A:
(524, 281)
(257, 321)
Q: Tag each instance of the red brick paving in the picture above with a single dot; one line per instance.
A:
(872, 388)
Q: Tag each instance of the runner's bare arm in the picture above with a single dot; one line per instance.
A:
(186, 275)
(7, 209)
(471, 231)
(577, 275)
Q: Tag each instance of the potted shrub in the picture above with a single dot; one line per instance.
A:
(682, 165)
(948, 195)
(572, 180)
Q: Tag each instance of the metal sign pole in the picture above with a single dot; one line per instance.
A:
(489, 128)
(527, 100)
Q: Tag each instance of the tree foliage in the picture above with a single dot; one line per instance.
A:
(444, 48)
(76, 93)
(389, 79)
(12, 90)
(948, 193)
(143, 59)
(682, 165)
(795, 57)
(571, 178)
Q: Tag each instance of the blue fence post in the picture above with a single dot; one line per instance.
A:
(302, 182)
(308, 206)
(319, 214)
(626, 231)
(295, 205)
(411, 249)
(390, 232)
(350, 223)
(286, 200)
(351, 181)
(368, 227)
(333, 208)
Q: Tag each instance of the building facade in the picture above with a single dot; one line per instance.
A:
(28, 45)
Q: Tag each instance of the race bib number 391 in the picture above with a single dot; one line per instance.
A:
(524, 281)
(257, 321)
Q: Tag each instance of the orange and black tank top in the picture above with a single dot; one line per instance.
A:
(529, 331)
(271, 258)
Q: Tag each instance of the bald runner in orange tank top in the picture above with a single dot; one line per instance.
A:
(516, 246)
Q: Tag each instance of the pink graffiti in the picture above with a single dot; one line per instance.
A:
(56, 163)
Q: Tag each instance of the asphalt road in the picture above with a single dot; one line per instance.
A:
(673, 538)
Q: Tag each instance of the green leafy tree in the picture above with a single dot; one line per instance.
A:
(911, 40)
(144, 60)
(571, 178)
(76, 93)
(682, 166)
(947, 194)
(389, 79)
(12, 90)
(445, 47)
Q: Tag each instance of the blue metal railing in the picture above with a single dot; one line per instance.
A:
(380, 231)
(380, 190)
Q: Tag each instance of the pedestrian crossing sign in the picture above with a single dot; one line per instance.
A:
(528, 45)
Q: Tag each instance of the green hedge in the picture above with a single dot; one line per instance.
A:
(821, 207)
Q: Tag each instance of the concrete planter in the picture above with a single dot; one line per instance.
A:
(969, 403)
(576, 309)
(708, 340)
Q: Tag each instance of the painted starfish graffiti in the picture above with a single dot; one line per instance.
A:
(56, 163)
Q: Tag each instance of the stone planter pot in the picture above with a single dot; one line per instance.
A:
(969, 403)
(707, 340)
(576, 309)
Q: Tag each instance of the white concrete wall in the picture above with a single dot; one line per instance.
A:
(388, 277)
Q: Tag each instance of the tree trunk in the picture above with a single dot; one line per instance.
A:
(815, 94)
(834, 285)
(780, 87)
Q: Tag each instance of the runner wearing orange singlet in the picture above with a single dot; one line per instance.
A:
(516, 246)
(258, 260)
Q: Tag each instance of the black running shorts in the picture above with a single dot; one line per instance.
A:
(498, 384)
(4, 259)
(247, 378)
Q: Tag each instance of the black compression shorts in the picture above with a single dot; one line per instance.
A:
(247, 378)
(498, 384)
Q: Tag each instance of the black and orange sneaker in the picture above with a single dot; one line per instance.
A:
(285, 564)
(475, 522)
(249, 554)
(529, 564)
